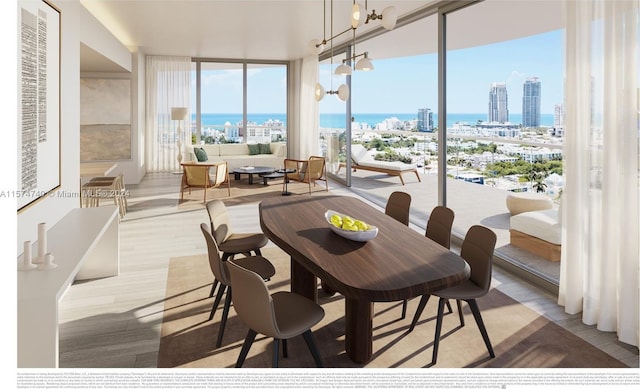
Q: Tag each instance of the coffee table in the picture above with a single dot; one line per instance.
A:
(251, 170)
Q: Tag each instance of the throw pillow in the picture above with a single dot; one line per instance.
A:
(265, 148)
(201, 155)
(254, 149)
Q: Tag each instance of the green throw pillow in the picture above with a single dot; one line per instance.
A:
(201, 155)
(254, 149)
(265, 148)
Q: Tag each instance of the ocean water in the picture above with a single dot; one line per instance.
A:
(334, 120)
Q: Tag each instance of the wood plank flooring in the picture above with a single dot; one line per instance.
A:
(115, 322)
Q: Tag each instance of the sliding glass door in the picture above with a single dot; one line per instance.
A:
(504, 122)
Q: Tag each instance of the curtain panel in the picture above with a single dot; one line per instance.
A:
(600, 264)
(168, 81)
(303, 140)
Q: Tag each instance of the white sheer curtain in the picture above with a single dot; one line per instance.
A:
(168, 81)
(304, 135)
(599, 272)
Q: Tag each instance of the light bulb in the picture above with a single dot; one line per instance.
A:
(343, 70)
(316, 46)
(343, 92)
(319, 92)
(364, 64)
(358, 14)
(389, 17)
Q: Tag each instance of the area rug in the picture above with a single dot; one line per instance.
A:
(521, 338)
(169, 202)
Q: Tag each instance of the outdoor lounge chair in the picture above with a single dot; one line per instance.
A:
(362, 160)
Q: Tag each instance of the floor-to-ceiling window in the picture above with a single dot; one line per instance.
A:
(266, 103)
(504, 124)
(333, 119)
(503, 114)
(239, 102)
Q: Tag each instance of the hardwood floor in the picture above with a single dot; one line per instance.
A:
(115, 322)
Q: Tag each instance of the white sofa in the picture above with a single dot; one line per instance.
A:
(539, 232)
(237, 155)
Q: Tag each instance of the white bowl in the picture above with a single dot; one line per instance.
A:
(358, 236)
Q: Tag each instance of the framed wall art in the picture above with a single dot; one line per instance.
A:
(38, 101)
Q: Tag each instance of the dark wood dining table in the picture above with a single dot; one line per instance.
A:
(399, 263)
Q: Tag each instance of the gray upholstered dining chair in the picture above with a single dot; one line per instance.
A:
(477, 249)
(281, 315)
(229, 242)
(257, 264)
(439, 230)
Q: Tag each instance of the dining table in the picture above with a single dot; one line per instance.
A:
(399, 263)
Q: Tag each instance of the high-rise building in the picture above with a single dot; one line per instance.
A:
(531, 103)
(498, 103)
(425, 120)
(558, 115)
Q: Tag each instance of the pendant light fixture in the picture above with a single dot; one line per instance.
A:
(342, 93)
(388, 18)
(359, 16)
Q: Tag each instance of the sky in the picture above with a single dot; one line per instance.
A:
(403, 85)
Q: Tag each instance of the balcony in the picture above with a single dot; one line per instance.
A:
(488, 208)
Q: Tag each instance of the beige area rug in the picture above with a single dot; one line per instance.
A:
(521, 338)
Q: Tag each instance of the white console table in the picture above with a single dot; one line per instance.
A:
(85, 245)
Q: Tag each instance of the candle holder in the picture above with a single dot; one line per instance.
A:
(26, 258)
(42, 243)
(48, 263)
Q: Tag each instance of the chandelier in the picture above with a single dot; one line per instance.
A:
(359, 16)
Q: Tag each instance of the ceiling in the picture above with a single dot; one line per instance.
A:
(282, 29)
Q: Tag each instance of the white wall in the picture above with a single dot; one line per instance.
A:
(78, 25)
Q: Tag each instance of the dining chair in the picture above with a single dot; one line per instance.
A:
(229, 242)
(477, 249)
(398, 205)
(439, 230)
(281, 315)
(257, 264)
(196, 175)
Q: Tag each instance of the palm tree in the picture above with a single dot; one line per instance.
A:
(537, 181)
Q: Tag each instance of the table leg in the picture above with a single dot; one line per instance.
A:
(236, 176)
(303, 282)
(286, 181)
(327, 289)
(250, 178)
(358, 329)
